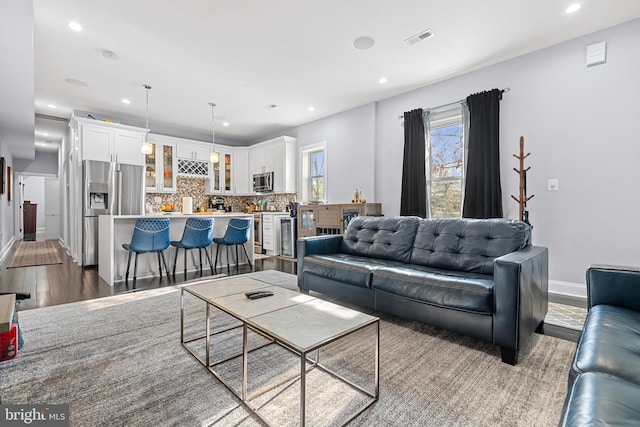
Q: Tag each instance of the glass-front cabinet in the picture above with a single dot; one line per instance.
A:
(160, 168)
(221, 176)
(306, 221)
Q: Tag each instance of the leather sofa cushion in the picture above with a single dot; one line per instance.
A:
(350, 269)
(465, 291)
(610, 344)
(380, 237)
(468, 245)
(597, 399)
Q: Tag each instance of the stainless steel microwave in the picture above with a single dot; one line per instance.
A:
(263, 182)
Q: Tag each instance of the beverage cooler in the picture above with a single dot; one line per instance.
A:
(288, 236)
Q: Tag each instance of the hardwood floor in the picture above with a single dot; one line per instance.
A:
(64, 283)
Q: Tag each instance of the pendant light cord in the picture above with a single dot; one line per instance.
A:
(213, 125)
(147, 87)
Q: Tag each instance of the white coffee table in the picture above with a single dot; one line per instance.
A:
(297, 322)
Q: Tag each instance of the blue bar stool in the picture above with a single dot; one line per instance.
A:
(198, 234)
(237, 233)
(149, 235)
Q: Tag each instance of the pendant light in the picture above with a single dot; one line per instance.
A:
(147, 147)
(214, 156)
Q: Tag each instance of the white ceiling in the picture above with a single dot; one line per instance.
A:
(247, 54)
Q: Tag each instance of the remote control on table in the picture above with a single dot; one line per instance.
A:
(258, 294)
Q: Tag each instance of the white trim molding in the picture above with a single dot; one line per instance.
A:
(578, 290)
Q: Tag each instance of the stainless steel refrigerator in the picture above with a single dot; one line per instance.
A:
(109, 189)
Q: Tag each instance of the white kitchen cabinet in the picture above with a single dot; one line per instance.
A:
(261, 158)
(278, 156)
(284, 165)
(271, 232)
(109, 142)
(161, 166)
(194, 151)
(221, 172)
(241, 171)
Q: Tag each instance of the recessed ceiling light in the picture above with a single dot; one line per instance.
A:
(225, 123)
(76, 82)
(126, 101)
(364, 42)
(51, 106)
(382, 80)
(75, 26)
(311, 108)
(572, 8)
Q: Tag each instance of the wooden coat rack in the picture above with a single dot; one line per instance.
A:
(523, 198)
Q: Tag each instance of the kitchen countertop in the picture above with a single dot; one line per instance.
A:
(181, 215)
(271, 212)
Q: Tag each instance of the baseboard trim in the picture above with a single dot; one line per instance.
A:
(6, 249)
(568, 293)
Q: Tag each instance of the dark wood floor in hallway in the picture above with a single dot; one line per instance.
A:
(64, 283)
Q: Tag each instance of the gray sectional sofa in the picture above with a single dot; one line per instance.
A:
(481, 278)
(604, 380)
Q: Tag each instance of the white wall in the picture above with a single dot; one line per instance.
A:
(580, 125)
(44, 163)
(350, 138)
(7, 215)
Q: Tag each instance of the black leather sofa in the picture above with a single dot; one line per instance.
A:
(481, 278)
(604, 379)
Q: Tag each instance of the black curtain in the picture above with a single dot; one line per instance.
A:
(413, 199)
(483, 193)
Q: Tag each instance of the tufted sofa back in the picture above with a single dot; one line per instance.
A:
(381, 237)
(468, 245)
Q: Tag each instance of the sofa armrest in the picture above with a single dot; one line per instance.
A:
(319, 245)
(613, 285)
(315, 245)
(521, 295)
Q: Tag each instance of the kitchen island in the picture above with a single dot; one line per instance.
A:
(114, 230)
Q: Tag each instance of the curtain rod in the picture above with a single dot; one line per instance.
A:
(505, 90)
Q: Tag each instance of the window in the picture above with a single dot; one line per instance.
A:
(445, 167)
(313, 161)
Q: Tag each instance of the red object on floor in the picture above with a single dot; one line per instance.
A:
(9, 344)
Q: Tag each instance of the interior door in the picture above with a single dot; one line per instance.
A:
(52, 209)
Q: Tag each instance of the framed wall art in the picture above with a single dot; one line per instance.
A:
(9, 181)
(3, 175)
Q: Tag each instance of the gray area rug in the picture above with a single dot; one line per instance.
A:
(566, 316)
(118, 361)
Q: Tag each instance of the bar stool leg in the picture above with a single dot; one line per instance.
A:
(237, 259)
(135, 269)
(159, 265)
(206, 252)
(164, 261)
(247, 255)
(185, 263)
(126, 277)
(216, 261)
(175, 262)
(200, 255)
(228, 259)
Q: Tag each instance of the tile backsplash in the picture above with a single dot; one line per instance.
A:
(194, 188)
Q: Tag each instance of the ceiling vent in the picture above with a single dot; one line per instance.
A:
(419, 37)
